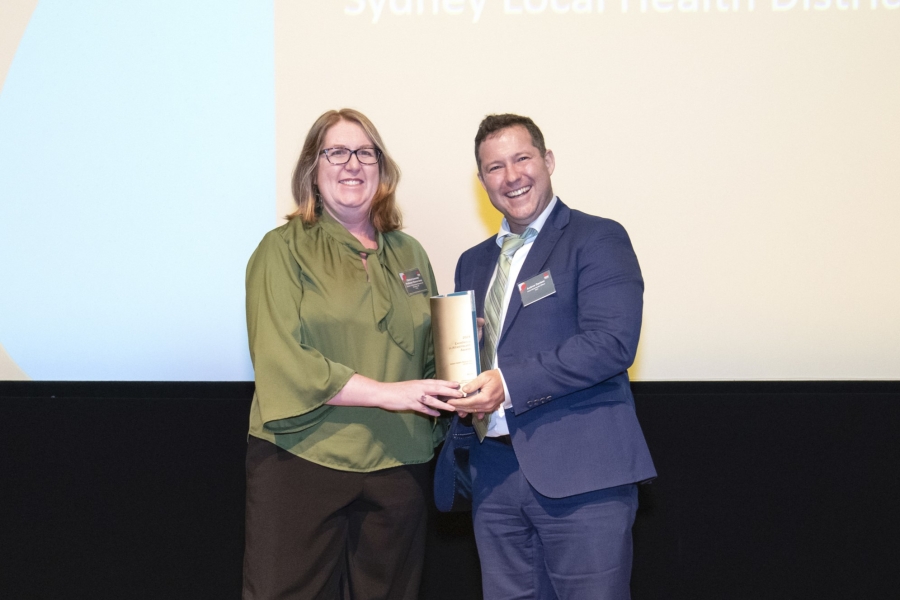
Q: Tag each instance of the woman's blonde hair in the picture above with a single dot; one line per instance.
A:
(383, 212)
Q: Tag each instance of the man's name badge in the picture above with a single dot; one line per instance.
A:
(413, 282)
(536, 288)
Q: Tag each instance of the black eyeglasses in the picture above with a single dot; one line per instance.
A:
(341, 156)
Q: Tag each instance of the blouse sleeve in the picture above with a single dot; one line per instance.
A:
(293, 381)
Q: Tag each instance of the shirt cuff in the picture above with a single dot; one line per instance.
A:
(507, 402)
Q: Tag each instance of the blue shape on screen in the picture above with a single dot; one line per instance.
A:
(137, 170)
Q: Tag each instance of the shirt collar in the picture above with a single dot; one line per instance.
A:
(340, 233)
(537, 224)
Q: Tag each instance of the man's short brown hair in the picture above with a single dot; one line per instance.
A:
(492, 124)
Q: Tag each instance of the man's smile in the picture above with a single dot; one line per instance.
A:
(518, 192)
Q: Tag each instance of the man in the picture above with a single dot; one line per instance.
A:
(554, 482)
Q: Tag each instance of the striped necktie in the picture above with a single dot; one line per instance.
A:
(493, 308)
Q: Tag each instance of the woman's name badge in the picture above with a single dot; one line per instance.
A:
(536, 288)
(413, 282)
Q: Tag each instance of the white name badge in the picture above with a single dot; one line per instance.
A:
(536, 288)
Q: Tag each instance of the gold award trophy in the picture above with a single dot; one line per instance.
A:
(455, 334)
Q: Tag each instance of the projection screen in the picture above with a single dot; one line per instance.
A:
(749, 147)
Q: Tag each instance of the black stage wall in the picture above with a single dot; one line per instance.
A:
(767, 491)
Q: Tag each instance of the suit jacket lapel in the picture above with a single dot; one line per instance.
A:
(537, 258)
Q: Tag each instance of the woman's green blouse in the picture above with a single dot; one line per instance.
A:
(316, 316)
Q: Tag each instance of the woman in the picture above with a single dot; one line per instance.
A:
(344, 419)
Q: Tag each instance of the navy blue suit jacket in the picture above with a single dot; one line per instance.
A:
(564, 358)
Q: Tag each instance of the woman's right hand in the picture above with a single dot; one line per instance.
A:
(420, 395)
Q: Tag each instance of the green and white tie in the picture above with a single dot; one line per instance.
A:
(493, 309)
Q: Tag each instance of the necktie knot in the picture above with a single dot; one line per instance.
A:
(513, 241)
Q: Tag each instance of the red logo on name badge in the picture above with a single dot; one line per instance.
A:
(521, 288)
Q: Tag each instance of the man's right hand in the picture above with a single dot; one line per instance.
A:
(484, 394)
